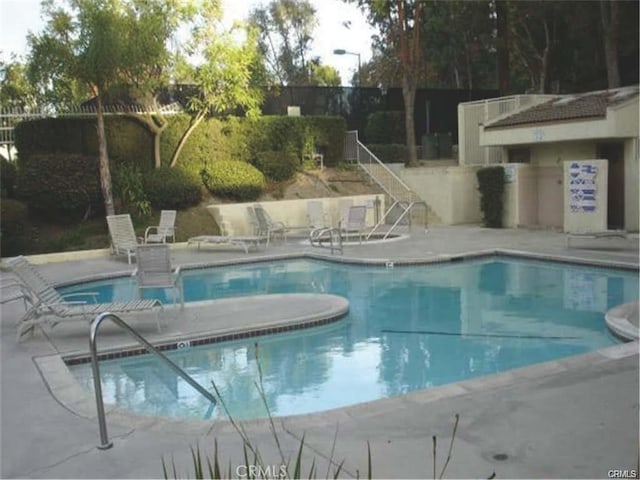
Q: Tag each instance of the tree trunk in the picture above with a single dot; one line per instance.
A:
(610, 20)
(156, 125)
(192, 126)
(409, 96)
(503, 46)
(103, 160)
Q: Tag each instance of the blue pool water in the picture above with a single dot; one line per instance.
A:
(408, 328)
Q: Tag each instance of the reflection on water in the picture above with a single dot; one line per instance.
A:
(408, 328)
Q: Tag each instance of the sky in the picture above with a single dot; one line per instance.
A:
(23, 16)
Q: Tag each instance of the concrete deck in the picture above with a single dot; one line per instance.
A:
(572, 418)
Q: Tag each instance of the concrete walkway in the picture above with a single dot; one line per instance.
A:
(572, 418)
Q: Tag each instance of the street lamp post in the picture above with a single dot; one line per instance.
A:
(341, 51)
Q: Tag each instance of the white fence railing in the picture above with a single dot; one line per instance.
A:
(10, 117)
(473, 114)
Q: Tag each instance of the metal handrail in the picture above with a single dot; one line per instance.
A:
(401, 194)
(317, 235)
(95, 325)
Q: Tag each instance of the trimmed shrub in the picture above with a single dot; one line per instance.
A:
(15, 237)
(62, 187)
(128, 141)
(8, 175)
(491, 187)
(277, 166)
(390, 153)
(385, 127)
(211, 141)
(234, 179)
(172, 188)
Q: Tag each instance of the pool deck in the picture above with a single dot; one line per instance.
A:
(572, 418)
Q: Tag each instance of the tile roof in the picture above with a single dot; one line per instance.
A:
(569, 107)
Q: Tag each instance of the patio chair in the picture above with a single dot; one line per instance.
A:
(123, 236)
(355, 223)
(266, 226)
(316, 215)
(45, 302)
(166, 229)
(154, 270)
(344, 204)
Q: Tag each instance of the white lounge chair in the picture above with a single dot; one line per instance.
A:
(154, 270)
(356, 221)
(344, 204)
(244, 241)
(161, 232)
(595, 235)
(123, 236)
(316, 216)
(266, 227)
(45, 302)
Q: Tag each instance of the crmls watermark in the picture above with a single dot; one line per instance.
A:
(616, 473)
(261, 471)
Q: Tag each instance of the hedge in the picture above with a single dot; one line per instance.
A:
(491, 186)
(278, 166)
(234, 179)
(390, 153)
(385, 127)
(60, 187)
(172, 188)
(15, 230)
(8, 174)
(127, 139)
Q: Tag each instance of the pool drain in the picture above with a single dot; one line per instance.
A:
(501, 457)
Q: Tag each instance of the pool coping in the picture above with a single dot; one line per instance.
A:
(386, 262)
(67, 390)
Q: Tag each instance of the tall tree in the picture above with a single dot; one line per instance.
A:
(400, 24)
(535, 28)
(323, 75)
(286, 35)
(502, 45)
(225, 77)
(610, 26)
(104, 44)
(15, 89)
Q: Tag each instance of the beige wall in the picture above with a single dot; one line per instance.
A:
(451, 192)
(626, 119)
(527, 196)
(537, 196)
(233, 220)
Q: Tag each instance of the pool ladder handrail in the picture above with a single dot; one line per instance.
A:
(95, 325)
(318, 235)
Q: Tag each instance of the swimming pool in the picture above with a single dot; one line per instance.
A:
(409, 328)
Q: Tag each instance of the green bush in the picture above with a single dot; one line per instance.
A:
(491, 186)
(61, 187)
(7, 178)
(128, 187)
(209, 142)
(385, 127)
(390, 153)
(172, 188)
(277, 166)
(128, 140)
(234, 179)
(15, 235)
